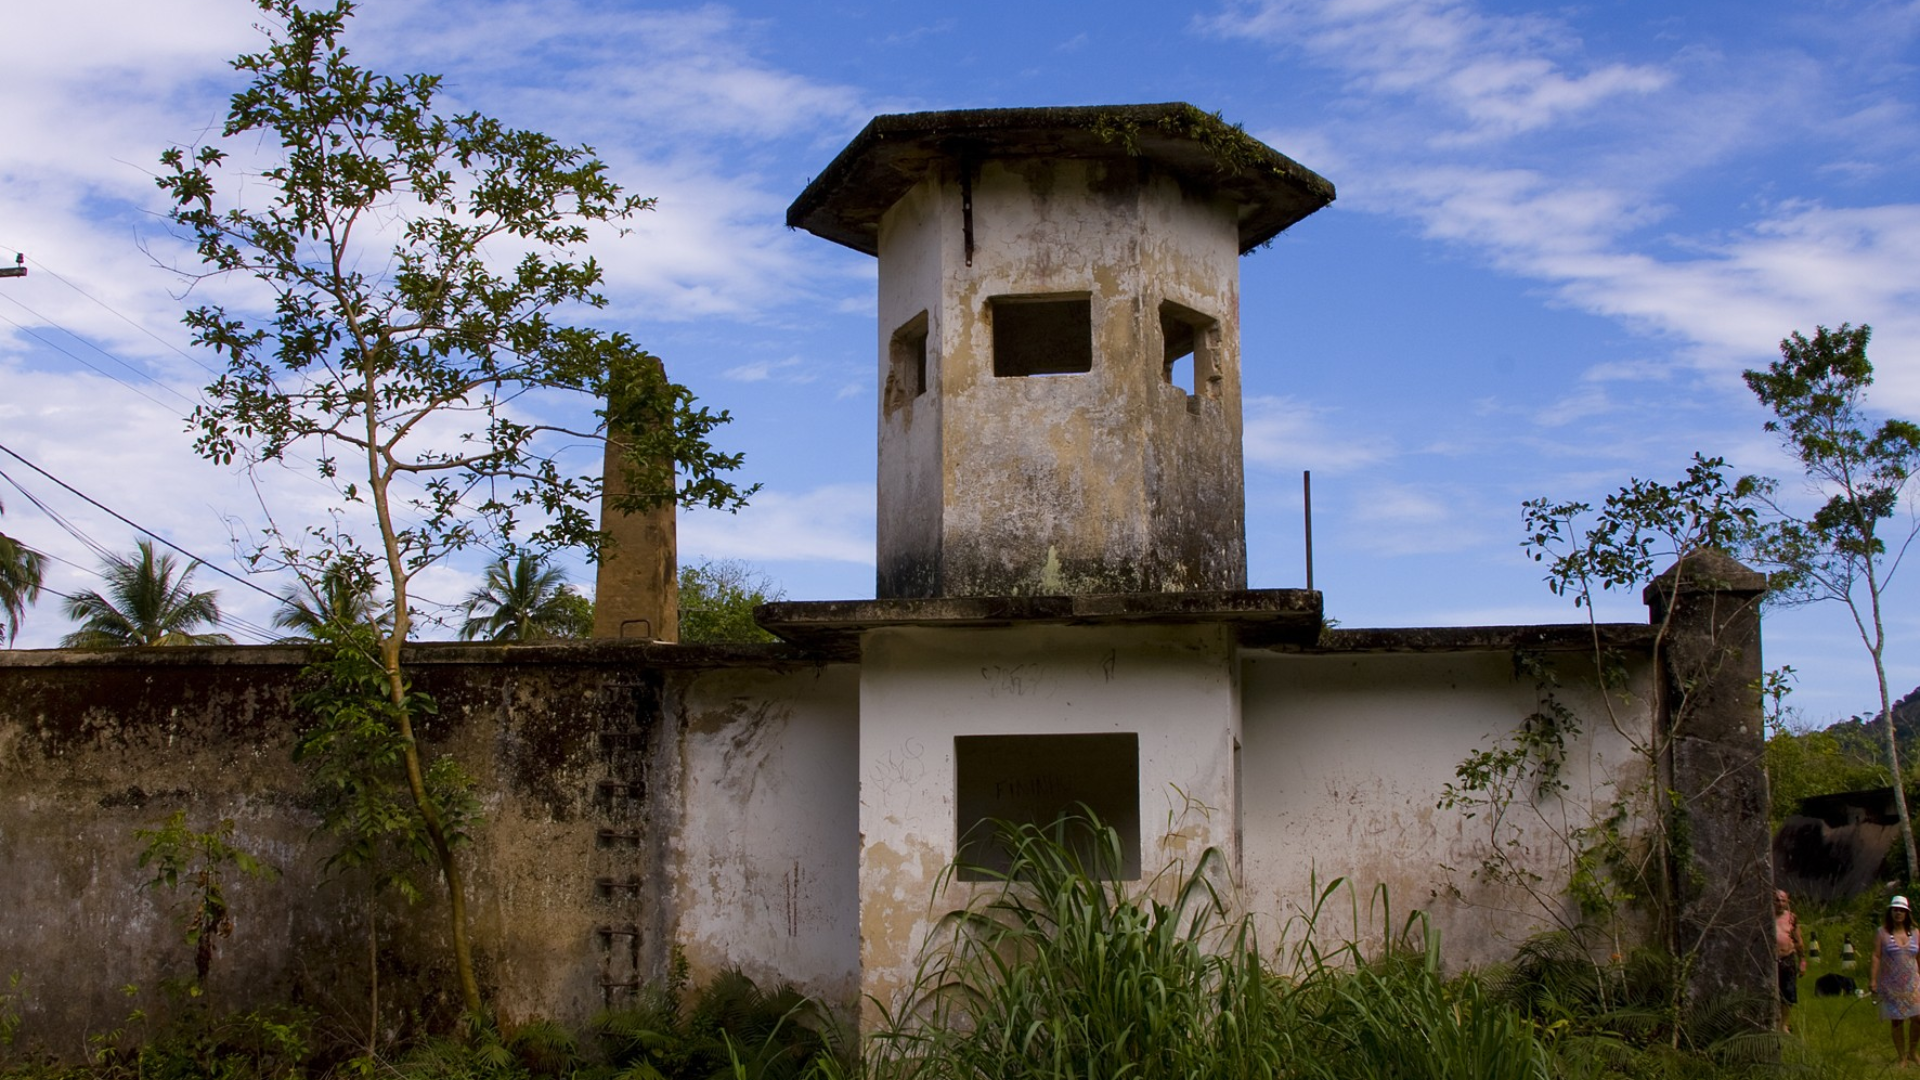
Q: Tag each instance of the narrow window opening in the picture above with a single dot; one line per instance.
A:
(1190, 356)
(1239, 818)
(1038, 779)
(1180, 373)
(907, 362)
(1042, 335)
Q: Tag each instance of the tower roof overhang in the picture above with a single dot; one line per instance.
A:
(845, 203)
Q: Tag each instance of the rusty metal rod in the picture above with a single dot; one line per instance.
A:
(1306, 495)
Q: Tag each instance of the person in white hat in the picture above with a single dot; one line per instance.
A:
(1896, 979)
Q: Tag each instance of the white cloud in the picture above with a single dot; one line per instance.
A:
(833, 523)
(1733, 295)
(1289, 433)
(1583, 404)
(791, 370)
(1393, 518)
(1429, 84)
(1496, 72)
(691, 71)
(131, 455)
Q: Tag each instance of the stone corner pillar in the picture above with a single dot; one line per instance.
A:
(1712, 735)
(637, 593)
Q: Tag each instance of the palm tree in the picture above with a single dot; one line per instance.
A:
(147, 603)
(342, 597)
(524, 600)
(21, 571)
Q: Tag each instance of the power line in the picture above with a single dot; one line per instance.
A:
(129, 320)
(58, 519)
(96, 368)
(215, 567)
(309, 477)
(137, 370)
(246, 627)
(406, 482)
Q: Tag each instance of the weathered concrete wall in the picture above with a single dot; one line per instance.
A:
(760, 808)
(1108, 481)
(911, 462)
(583, 756)
(1722, 867)
(79, 774)
(1345, 756)
(766, 851)
(920, 688)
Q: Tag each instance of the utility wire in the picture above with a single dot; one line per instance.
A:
(215, 567)
(103, 351)
(58, 519)
(251, 629)
(307, 476)
(66, 525)
(96, 368)
(245, 627)
(122, 316)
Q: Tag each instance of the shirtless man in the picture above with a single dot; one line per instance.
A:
(1789, 951)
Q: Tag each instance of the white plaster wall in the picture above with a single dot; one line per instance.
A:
(765, 857)
(919, 688)
(909, 491)
(1344, 759)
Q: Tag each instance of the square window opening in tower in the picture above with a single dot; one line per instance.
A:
(907, 362)
(1190, 350)
(1042, 335)
(1037, 780)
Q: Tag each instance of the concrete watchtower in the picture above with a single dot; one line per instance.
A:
(1059, 341)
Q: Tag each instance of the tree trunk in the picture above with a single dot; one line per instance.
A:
(1899, 778)
(436, 830)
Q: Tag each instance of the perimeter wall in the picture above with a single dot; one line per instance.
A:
(639, 797)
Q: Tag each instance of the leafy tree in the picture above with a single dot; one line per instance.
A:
(421, 265)
(524, 599)
(342, 597)
(1620, 853)
(21, 571)
(357, 760)
(1807, 763)
(203, 861)
(1849, 547)
(717, 601)
(576, 615)
(149, 601)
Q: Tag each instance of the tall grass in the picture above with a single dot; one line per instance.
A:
(1063, 971)
(1059, 970)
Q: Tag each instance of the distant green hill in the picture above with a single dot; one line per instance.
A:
(1849, 755)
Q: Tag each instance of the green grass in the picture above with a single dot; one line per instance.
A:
(1845, 1033)
(1061, 972)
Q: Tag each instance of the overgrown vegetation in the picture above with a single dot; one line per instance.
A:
(717, 599)
(414, 275)
(356, 757)
(202, 863)
(1605, 863)
(728, 1028)
(1058, 970)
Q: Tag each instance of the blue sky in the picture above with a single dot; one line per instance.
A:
(1561, 234)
